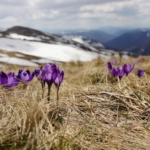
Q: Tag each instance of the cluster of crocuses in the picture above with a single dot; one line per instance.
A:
(48, 74)
(9, 79)
(124, 70)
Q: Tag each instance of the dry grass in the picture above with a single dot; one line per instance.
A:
(95, 111)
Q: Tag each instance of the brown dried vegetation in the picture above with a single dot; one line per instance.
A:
(95, 111)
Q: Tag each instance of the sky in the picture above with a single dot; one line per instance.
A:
(49, 15)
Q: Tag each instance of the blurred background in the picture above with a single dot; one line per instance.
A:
(40, 31)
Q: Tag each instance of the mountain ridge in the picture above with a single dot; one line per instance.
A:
(135, 41)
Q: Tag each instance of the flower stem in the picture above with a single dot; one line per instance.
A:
(24, 85)
(43, 86)
(49, 90)
(57, 94)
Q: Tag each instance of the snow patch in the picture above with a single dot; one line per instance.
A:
(50, 51)
(42, 60)
(17, 61)
(78, 39)
(22, 37)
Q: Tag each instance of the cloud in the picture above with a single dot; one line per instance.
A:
(73, 14)
(122, 8)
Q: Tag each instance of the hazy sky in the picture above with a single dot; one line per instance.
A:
(74, 14)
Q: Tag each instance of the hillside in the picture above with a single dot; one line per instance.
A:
(97, 35)
(95, 111)
(50, 47)
(29, 34)
(136, 41)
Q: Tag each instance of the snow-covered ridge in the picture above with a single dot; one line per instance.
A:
(50, 47)
(48, 38)
(22, 37)
(54, 52)
(18, 58)
(17, 61)
(86, 41)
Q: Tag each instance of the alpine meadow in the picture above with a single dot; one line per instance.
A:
(95, 109)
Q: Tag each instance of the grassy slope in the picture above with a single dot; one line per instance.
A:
(95, 111)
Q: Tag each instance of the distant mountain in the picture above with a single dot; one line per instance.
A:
(115, 31)
(86, 41)
(136, 41)
(49, 47)
(25, 33)
(97, 35)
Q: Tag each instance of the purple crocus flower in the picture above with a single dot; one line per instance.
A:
(127, 68)
(58, 81)
(47, 74)
(140, 73)
(44, 70)
(109, 66)
(111, 69)
(25, 76)
(50, 74)
(114, 62)
(115, 71)
(59, 78)
(9, 80)
(120, 74)
(38, 73)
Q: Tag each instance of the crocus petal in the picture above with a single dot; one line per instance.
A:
(20, 71)
(124, 68)
(109, 65)
(15, 82)
(57, 82)
(28, 72)
(37, 72)
(48, 75)
(54, 74)
(11, 74)
(117, 70)
(114, 62)
(10, 80)
(10, 77)
(4, 78)
(31, 76)
(130, 67)
(44, 71)
(0, 79)
(140, 73)
(114, 71)
(19, 74)
(121, 74)
(24, 76)
(61, 76)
